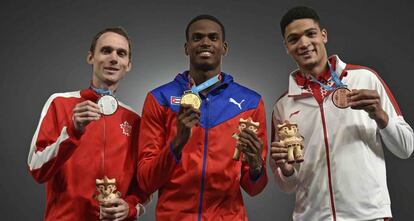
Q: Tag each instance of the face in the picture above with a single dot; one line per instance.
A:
(305, 42)
(205, 45)
(110, 60)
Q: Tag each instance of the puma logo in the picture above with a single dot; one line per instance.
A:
(231, 100)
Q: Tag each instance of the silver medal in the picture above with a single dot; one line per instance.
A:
(108, 104)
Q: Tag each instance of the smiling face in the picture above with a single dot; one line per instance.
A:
(110, 60)
(305, 42)
(205, 45)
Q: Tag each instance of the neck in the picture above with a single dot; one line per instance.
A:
(316, 69)
(102, 85)
(200, 76)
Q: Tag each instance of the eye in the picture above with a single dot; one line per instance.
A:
(242, 126)
(213, 37)
(122, 53)
(312, 34)
(106, 50)
(292, 40)
(197, 37)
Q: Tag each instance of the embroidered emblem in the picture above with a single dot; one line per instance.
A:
(175, 100)
(126, 128)
(231, 100)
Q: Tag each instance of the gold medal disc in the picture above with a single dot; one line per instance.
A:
(192, 99)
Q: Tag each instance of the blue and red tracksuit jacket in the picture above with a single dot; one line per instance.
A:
(204, 184)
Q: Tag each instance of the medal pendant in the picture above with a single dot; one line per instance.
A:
(340, 97)
(192, 99)
(107, 105)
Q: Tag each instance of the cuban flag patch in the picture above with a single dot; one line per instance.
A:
(175, 100)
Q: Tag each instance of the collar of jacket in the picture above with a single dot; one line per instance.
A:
(184, 80)
(298, 91)
(90, 94)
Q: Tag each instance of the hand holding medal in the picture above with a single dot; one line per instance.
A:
(84, 113)
(369, 101)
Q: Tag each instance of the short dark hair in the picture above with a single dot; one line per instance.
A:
(295, 13)
(117, 30)
(205, 17)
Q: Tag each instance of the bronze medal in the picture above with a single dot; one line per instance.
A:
(192, 99)
(340, 97)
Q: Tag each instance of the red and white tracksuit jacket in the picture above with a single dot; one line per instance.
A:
(69, 162)
(204, 184)
(343, 176)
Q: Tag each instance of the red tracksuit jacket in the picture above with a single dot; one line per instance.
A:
(204, 184)
(69, 162)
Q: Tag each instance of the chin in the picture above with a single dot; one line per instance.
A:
(205, 66)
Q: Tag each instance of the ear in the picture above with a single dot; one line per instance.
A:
(325, 35)
(129, 66)
(286, 48)
(89, 58)
(185, 49)
(225, 48)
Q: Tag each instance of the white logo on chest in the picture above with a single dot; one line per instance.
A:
(238, 104)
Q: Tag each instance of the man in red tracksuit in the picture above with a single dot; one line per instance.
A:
(74, 144)
(186, 152)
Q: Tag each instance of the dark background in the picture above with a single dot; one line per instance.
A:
(44, 46)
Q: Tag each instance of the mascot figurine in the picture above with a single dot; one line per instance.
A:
(106, 189)
(292, 140)
(244, 123)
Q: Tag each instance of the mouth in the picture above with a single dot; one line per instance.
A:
(307, 53)
(205, 54)
(111, 69)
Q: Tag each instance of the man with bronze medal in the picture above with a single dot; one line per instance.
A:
(85, 147)
(186, 144)
(346, 115)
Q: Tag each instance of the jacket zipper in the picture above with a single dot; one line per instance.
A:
(203, 172)
(325, 135)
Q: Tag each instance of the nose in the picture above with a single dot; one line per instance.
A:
(205, 42)
(303, 42)
(114, 57)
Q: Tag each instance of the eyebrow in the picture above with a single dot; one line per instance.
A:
(112, 48)
(307, 30)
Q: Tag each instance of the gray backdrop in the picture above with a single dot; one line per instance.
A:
(44, 46)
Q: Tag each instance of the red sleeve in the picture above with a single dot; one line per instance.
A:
(156, 161)
(135, 195)
(53, 143)
(254, 187)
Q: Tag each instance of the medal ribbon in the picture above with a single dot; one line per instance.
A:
(335, 78)
(102, 91)
(205, 84)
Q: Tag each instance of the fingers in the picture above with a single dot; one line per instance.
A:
(279, 153)
(363, 98)
(188, 115)
(369, 101)
(250, 142)
(84, 113)
(116, 209)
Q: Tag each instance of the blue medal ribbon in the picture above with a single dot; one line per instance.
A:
(102, 91)
(335, 78)
(205, 84)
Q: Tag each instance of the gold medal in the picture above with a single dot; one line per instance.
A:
(192, 99)
(340, 97)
